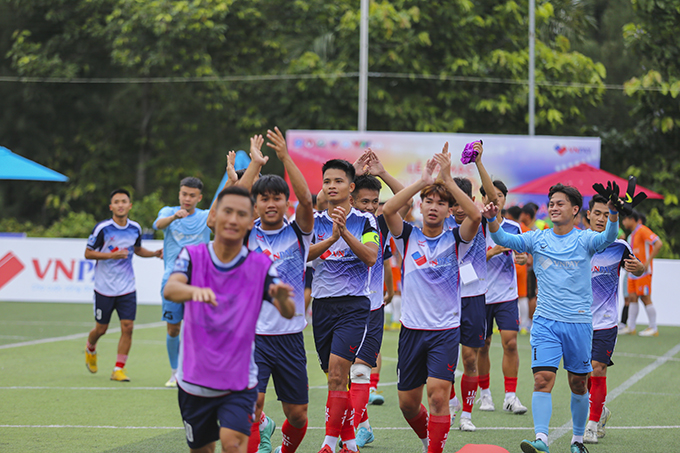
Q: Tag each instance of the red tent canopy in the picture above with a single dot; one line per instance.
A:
(582, 177)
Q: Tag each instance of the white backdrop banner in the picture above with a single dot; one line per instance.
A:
(55, 270)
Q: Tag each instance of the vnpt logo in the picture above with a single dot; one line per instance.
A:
(10, 267)
(562, 150)
(419, 259)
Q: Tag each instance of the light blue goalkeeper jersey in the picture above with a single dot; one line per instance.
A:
(562, 267)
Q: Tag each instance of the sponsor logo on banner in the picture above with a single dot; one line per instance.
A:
(10, 267)
(563, 149)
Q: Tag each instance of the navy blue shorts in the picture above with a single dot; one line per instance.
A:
(426, 353)
(473, 321)
(506, 315)
(283, 358)
(125, 306)
(339, 326)
(370, 348)
(309, 276)
(235, 411)
(604, 342)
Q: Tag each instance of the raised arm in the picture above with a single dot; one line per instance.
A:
(399, 200)
(604, 239)
(257, 161)
(304, 213)
(375, 168)
(499, 235)
(487, 183)
(468, 230)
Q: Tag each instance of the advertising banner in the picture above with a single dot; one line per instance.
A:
(55, 270)
(514, 159)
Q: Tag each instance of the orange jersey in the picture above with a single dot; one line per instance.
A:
(642, 241)
(522, 271)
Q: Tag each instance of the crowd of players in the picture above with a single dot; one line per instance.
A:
(235, 307)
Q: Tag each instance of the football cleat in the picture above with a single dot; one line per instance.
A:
(486, 403)
(514, 405)
(266, 436)
(467, 425)
(364, 436)
(649, 332)
(604, 418)
(119, 375)
(534, 446)
(91, 360)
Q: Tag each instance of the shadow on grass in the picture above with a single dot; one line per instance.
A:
(167, 443)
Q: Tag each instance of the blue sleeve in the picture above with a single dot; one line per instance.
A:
(601, 241)
(96, 242)
(513, 241)
(166, 211)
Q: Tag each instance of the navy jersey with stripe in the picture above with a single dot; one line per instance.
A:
(431, 283)
(338, 271)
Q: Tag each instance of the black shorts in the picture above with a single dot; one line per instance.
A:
(604, 342)
(426, 353)
(473, 321)
(125, 306)
(339, 325)
(283, 358)
(235, 411)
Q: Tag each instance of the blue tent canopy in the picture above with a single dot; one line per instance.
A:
(13, 166)
(242, 162)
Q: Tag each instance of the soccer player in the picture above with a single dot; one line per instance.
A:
(472, 262)
(223, 287)
(562, 327)
(366, 198)
(646, 245)
(431, 306)
(605, 282)
(279, 343)
(345, 245)
(182, 225)
(112, 243)
(501, 306)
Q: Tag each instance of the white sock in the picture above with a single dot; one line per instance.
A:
(174, 371)
(424, 441)
(350, 444)
(365, 425)
(485, 392)
(466, 415)
(524, 312)
(651, 314)
(633, 310)
(454, 401)
(575, 439)
(509, 395)
(330, 441)
(543, 437)
(116, 368)
(591, 425)
(264, 423)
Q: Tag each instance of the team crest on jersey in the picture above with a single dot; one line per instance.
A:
(320, 236)
(419, 259)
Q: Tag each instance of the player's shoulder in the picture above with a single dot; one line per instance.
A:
(512, 224)
(365, 216)
(168, 211)
(621, 244)
(102, 225)
(321, 215)
(134, 225)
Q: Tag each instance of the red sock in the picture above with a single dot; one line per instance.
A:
(254, 439)
(419, 423)
(484, 381)
(468, 389)
(375, 378)
(358, 394)
(453, 391)
(438, 431)
(336, 406)
(510, 384)
(347, 432)
(120, 360)
(292, 437)
(589, 383)
(598, 394)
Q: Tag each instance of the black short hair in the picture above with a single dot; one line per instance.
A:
(192, 183)
(514, 211)
(464, 184)
(498, 184)
(274, 184)
(369, 182)
(236, 190)
(642, 217)
(635, 215)
(340, 164)
(314, 200)
(120, 190)
(575, 197)
(597, 198)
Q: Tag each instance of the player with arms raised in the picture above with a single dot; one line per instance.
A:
(431, 305)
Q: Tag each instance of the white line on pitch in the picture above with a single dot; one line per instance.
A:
(81, 388)
(628, 383)
(401, 428)
(76, 336)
